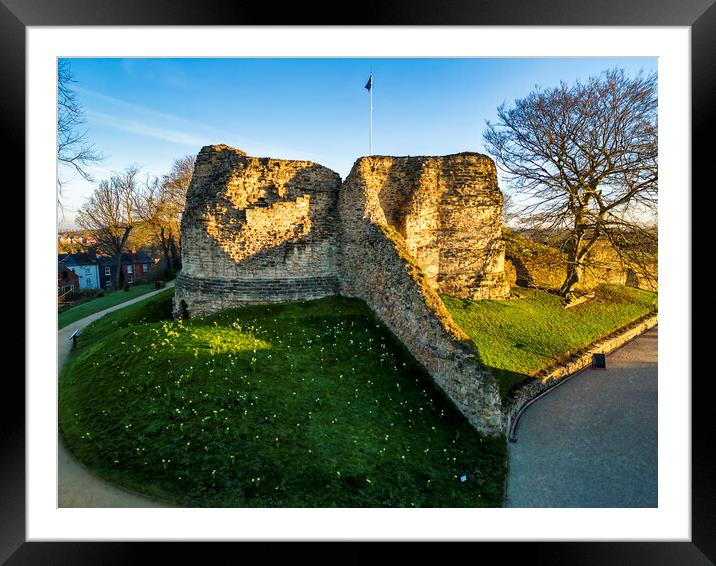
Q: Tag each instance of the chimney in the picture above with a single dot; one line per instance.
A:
(92, 253)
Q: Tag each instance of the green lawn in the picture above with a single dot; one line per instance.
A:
(95, 305)
(517, 338)
(303, 405)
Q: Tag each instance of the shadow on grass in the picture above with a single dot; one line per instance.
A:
(508, 382)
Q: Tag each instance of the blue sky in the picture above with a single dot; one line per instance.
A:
(149, 112)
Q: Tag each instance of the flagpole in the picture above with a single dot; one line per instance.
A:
(370, 142)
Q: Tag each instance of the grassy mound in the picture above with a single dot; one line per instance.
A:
(303, 405)
(518, 338)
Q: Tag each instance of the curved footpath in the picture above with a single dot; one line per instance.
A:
(76, 485)
(592, 441)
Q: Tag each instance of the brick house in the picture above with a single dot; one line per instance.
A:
(135, 268)
(67, 280)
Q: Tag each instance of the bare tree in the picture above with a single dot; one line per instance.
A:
(73, 148)
(585, 158)
(111, 214)
(509, 212)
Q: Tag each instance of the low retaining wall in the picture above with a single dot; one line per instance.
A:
(551, 377)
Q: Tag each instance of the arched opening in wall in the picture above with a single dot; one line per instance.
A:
(183, 310)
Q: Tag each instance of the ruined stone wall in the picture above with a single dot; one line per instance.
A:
(256, 230)
(389, 258)
(448, 211)
(533, 264)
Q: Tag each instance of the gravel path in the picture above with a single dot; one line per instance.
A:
(592, 442)
(78, 486)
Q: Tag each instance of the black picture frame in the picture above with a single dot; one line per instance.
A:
(699, 15)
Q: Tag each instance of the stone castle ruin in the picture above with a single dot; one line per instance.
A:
(395, 233)
(257, 230)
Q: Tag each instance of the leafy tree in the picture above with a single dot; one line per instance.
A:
(155, 210)
(175, 185)
(111, 213)
(584, 159)
(161, 206)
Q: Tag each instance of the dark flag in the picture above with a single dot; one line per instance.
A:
(369, 84)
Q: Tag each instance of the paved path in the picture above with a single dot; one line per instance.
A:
(592, 442)
(76, 485)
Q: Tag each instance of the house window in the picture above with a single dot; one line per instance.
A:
(108, 270)
(129, 269)
(87, 270)
(145, 268)
(130, 278)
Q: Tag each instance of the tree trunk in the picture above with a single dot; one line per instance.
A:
(575, 271)
(575, 257)
(118, 272)
(176, 258)
(578, 252)
(117, 277)
(165, 252)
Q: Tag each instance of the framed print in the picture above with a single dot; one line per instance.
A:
(36, 34)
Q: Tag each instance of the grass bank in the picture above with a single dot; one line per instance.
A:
(518, 338)
(110, 299)
(303, 405)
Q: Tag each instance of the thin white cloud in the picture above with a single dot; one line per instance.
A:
(144, 129)
(135, 108)
(177, 134)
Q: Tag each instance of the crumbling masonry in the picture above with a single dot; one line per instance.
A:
(395, 233)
